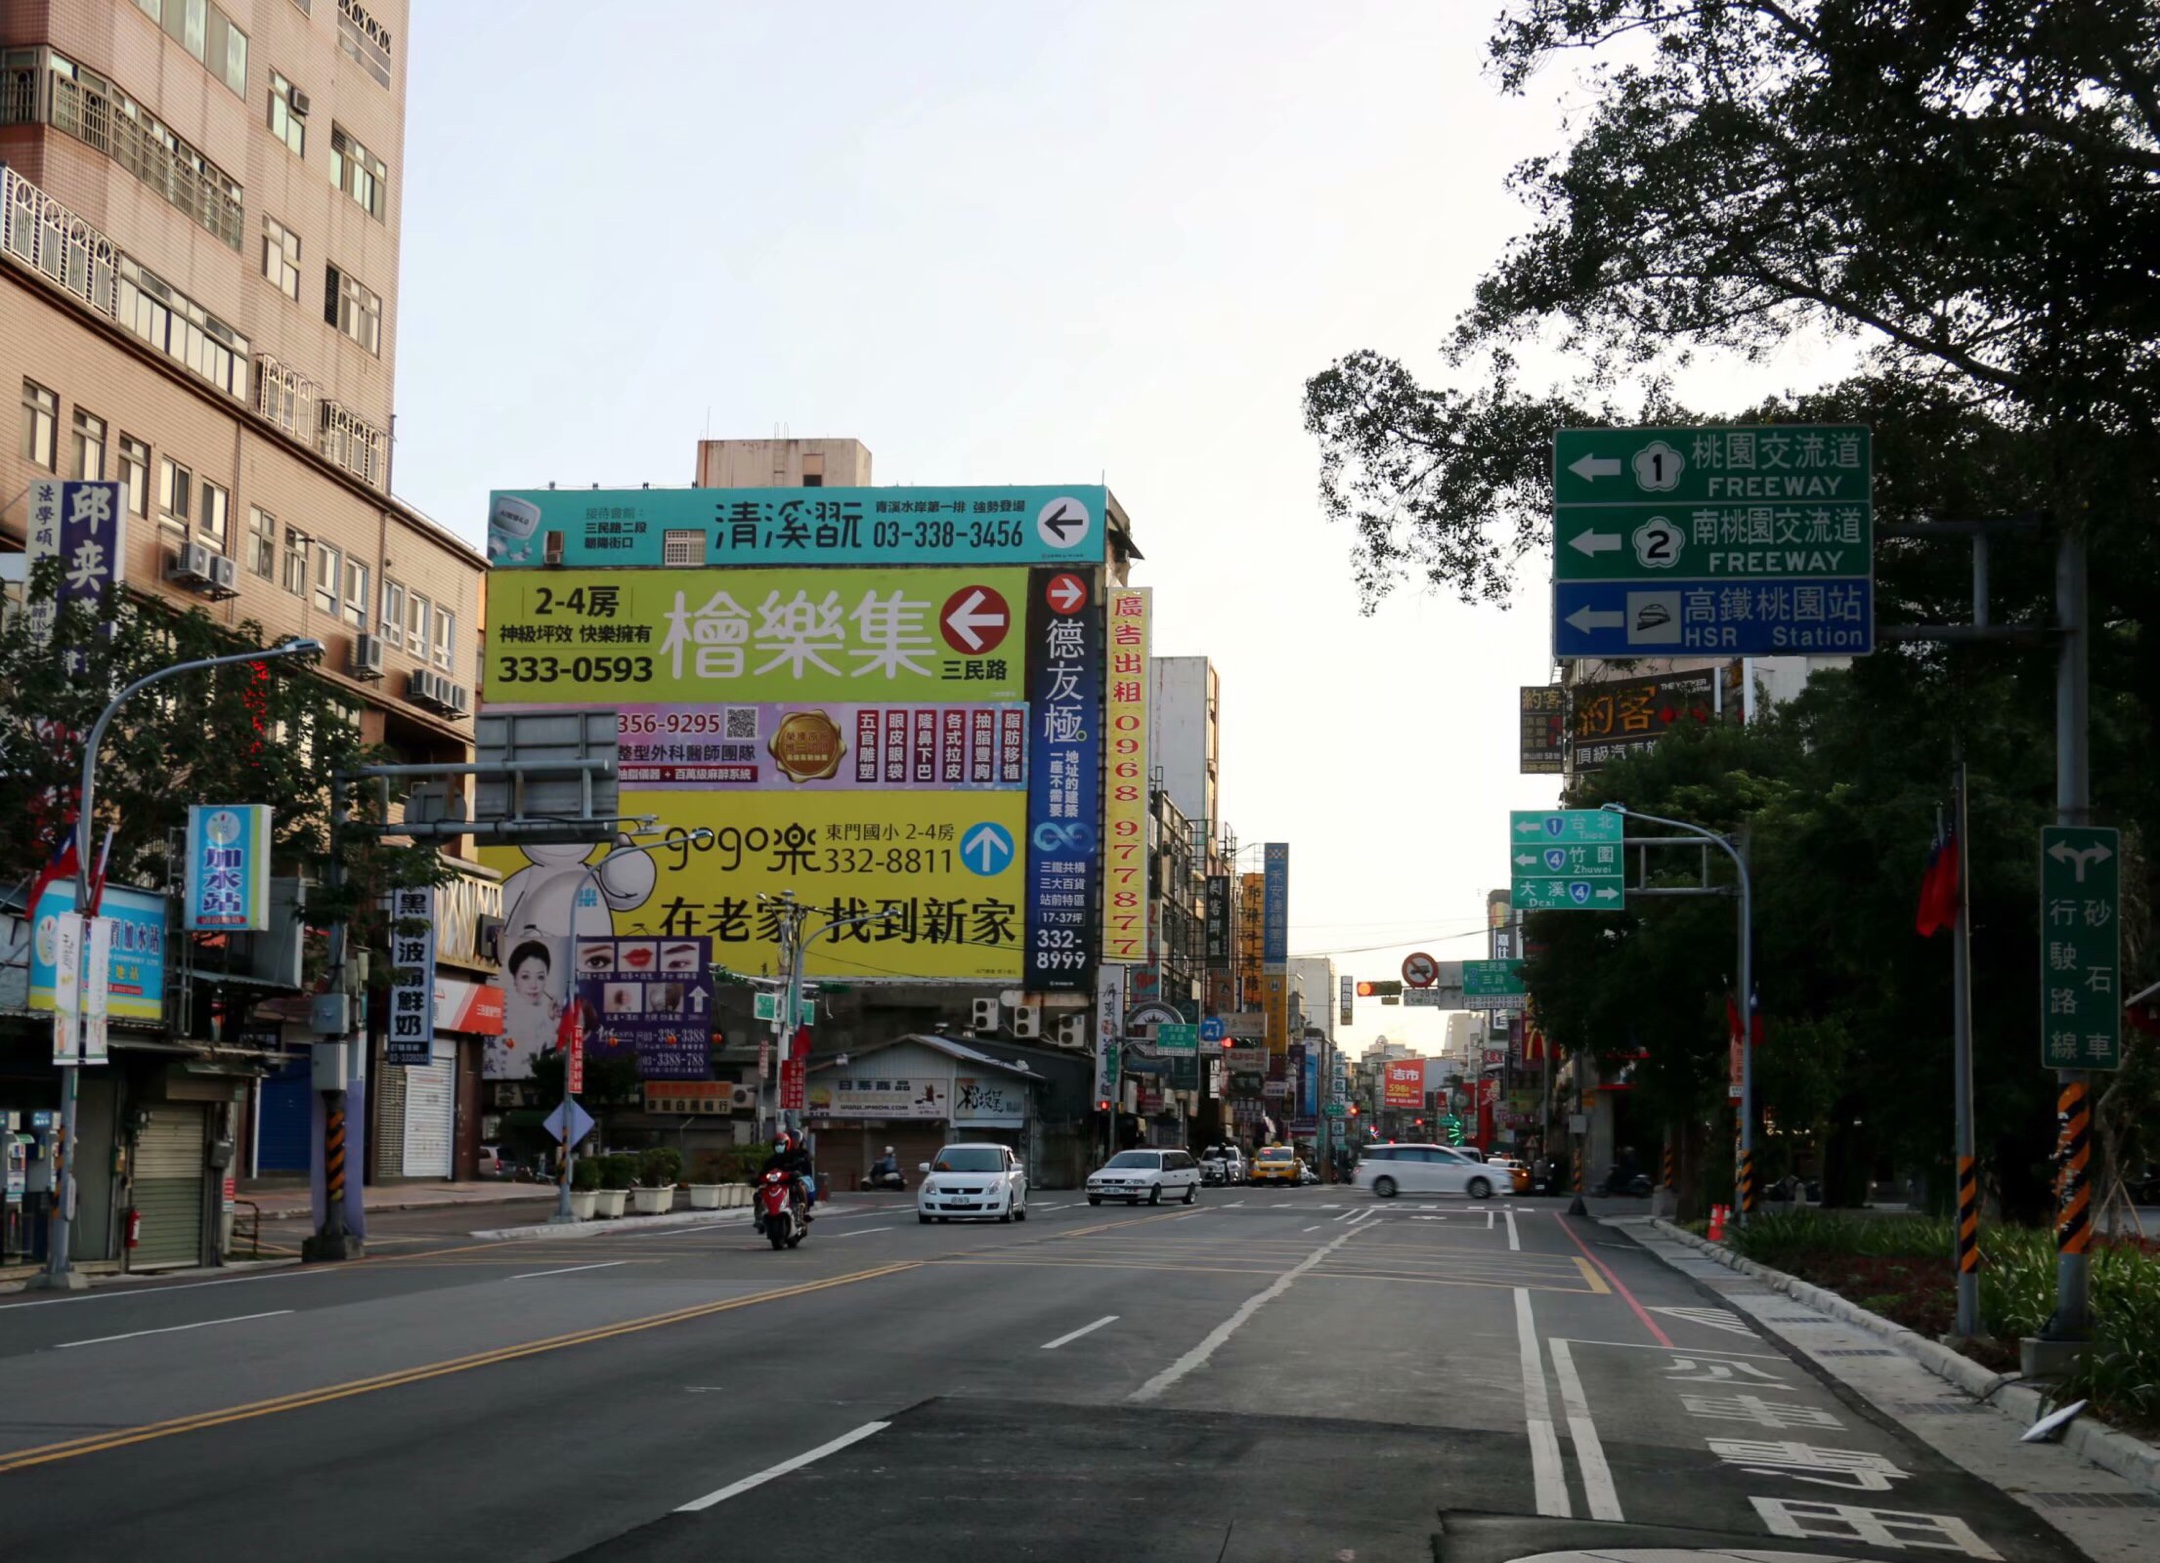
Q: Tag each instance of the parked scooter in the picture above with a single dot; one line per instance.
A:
(784, 1218)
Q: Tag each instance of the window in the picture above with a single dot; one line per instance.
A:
(358, 172)
(352, 309)
(262, 542)
(41, 425)
(358, 590)
(90, 108)
(298, 549)
(287, 125)
(446, 640)
(416, 623)
(135, 473)
(180, 328)
(214, 514)
(175, 494)
(281, 258)
(206, 32)
(392, 622)
(89, 445)
(327, 565)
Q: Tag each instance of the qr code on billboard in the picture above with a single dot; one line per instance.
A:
(742, 722)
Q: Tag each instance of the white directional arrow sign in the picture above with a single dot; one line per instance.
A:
(1066, 592)
(2079, 858)
(1595, 542)
(968, 618)
(1526, 860)
(1591, 467)
(1588, 619)
(989, 848)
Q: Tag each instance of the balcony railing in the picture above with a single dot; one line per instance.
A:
(45, 236)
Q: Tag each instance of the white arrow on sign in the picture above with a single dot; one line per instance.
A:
(1585, 620)
(1608, 895)
(1526, 860)
(2079, 857)
(1594, 543)
(991, 845)
(1590, 467)
(1528, 827)
(965, 620)
(1066, 593)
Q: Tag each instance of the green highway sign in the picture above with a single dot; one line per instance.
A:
(766, 1006)
(1564, 860)
(1177, 1038)
(1740, 541)
(2081, 998)
(1492, 979)
(1334, 1109)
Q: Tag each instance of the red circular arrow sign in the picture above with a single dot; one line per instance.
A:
(1420, 970)
(974, 620)
(1066, 594)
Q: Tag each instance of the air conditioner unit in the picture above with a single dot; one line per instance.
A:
(1027, 1020)
(430, 690)
(191, 566)
(986, 1014)
(460, 700)
(297, 101)
(367, 657)
(224, 576)
(1072, 1031)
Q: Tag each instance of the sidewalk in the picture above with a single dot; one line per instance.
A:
(282, 1202)
(2109, 1518)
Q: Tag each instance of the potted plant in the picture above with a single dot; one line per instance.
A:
(657, 1170)
(708, 1188)
(584, 1187)
(616, 1174)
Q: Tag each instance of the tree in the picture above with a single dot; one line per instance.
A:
(249, 733)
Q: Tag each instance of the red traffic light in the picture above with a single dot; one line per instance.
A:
(1102, 1107)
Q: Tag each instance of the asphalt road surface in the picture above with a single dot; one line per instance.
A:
(1293, 1374)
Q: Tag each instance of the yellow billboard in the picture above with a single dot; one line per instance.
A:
(947, 865)
(604, 637)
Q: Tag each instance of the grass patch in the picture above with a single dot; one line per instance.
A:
(1900, 1267)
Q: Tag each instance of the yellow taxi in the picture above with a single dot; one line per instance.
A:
(1274, 1164)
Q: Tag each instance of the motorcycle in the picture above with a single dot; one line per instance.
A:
(784, 1222)
(1618, 1183)
(1215, 1174)
(874, 1179)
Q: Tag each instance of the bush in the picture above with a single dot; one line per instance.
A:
(585, 1174)
(660, 1167)
(618, 1170)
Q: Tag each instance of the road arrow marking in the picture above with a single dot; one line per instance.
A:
(968, 620)
(1585, 620)
(1594, 543)
(1593, 467)
(2079, 857)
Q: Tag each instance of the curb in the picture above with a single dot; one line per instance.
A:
(596, 1228)
(101, 1280)
(2109, 1448)
(302, 1212)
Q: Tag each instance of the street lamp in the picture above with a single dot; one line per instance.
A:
(59, 1274)
(698, 837)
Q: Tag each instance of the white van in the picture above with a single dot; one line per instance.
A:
(1389, 1170)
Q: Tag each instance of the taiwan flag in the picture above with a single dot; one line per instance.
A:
(1939, 886)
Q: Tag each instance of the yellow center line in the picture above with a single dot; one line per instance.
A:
(98, 1442)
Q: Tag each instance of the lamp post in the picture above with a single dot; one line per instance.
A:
(697, 837)
(1743, 1171)
(59, 1274)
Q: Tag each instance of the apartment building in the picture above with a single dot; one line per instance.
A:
(199, 237)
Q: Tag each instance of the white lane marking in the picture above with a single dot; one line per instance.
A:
(1589, 1452)
(864, 1231)
(1229, 1327)
(1488, 1221)
(735, 1489)
(201, 1324)
(1717, 1353)
(1085, 1329)
(1514, 1241)
(1316, 1226)
(534, 1275)
(107, 1295)
(1549, 1474)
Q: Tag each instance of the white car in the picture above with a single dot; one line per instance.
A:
(972, 1182)
(1389, 1170)
(1150, 1175)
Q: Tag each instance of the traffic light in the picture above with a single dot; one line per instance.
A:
(1417, 1123)
(1102, 1107)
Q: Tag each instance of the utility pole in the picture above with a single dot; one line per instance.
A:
(59, 1274)
(1968, 1170)
(2073, 806)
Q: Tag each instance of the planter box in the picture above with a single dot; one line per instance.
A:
(706, 1196)
(653, 1202)
(582, 1202)
(608, 1203)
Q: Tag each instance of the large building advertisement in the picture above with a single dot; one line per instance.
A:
(921, 741)
(1125, 801)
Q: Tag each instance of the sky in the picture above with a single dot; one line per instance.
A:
(1033, 244)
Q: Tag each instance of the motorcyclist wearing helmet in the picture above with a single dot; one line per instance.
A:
(791, 1156)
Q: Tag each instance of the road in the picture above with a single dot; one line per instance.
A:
(1283, 1374)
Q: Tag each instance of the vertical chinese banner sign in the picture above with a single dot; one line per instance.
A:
(1065, 683)
(1275, 944)
(412, 994)
(1125, 806)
